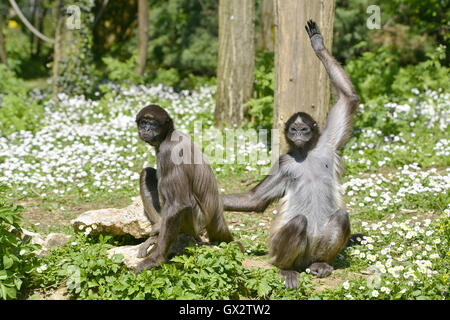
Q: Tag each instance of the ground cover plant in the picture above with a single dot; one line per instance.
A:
(85, 153)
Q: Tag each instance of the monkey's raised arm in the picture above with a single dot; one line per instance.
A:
(271, 188)
(337, 129)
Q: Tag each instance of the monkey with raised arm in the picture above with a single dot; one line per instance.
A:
(312, 226)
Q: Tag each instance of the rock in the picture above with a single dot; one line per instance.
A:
(52, 240)
(56, 240)
(130, 220)
(36, 238)
(129, 253)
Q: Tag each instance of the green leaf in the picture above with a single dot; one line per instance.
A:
(7, 262)
(3, 275)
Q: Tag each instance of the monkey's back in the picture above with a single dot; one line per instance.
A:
(200, 185)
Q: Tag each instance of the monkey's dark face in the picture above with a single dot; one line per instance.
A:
(154, 124)
(301, 131)
(150, 131)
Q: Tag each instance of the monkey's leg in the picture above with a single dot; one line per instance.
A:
(335, 237)
(149, 194)
(218, 230)
(287, 243)
(170, 228)
(152, 207)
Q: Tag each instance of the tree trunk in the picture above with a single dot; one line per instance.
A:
(266, 39)
(236, 60)
(142, 36)
(3, 55)
(57, 49)
(301, 81)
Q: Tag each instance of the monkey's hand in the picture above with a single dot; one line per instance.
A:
(314, 35)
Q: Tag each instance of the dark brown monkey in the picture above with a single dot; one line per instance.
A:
(312, 226)
(182, 194)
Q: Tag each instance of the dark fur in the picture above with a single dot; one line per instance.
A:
(312, 226)
(179, 197)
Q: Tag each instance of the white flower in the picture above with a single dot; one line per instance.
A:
(385, 289)
(346, 285)
(22, 252)
(437, 241)
(308, 270)
(375, 293)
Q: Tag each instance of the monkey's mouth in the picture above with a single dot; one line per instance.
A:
(301, 140)
(149, 138)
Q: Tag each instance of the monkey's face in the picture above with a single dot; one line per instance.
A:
(301, 131)
(154, 124)
(150, 131)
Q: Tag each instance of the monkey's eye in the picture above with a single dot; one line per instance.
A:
(305, 130)
(292, 129)
(148, 123)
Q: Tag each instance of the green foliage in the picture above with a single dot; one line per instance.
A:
(122, 72)
(17, 259)
(261, 107)
(184, 36)
(427, 75)
(17, 110)
(201, 273)
(378, 74)
(373, 73)
(408, 30)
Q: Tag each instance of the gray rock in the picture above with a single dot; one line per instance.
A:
(130, 220)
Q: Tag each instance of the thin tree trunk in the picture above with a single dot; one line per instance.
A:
(3, 55)
(236, 60)
(266, 39)
(41, 28)
(301, 82)
(142, 36)
(57, 51)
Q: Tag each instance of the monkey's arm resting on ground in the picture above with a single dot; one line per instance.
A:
(337, 129)
(271, 188)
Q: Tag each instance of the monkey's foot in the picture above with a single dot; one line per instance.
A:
(290, 278)
(320, 269)
(149, 263)
(142, 253)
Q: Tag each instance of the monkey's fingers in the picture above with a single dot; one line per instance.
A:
(312, 28)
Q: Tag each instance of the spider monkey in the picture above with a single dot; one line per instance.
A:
(312, 226)
(178, 195)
